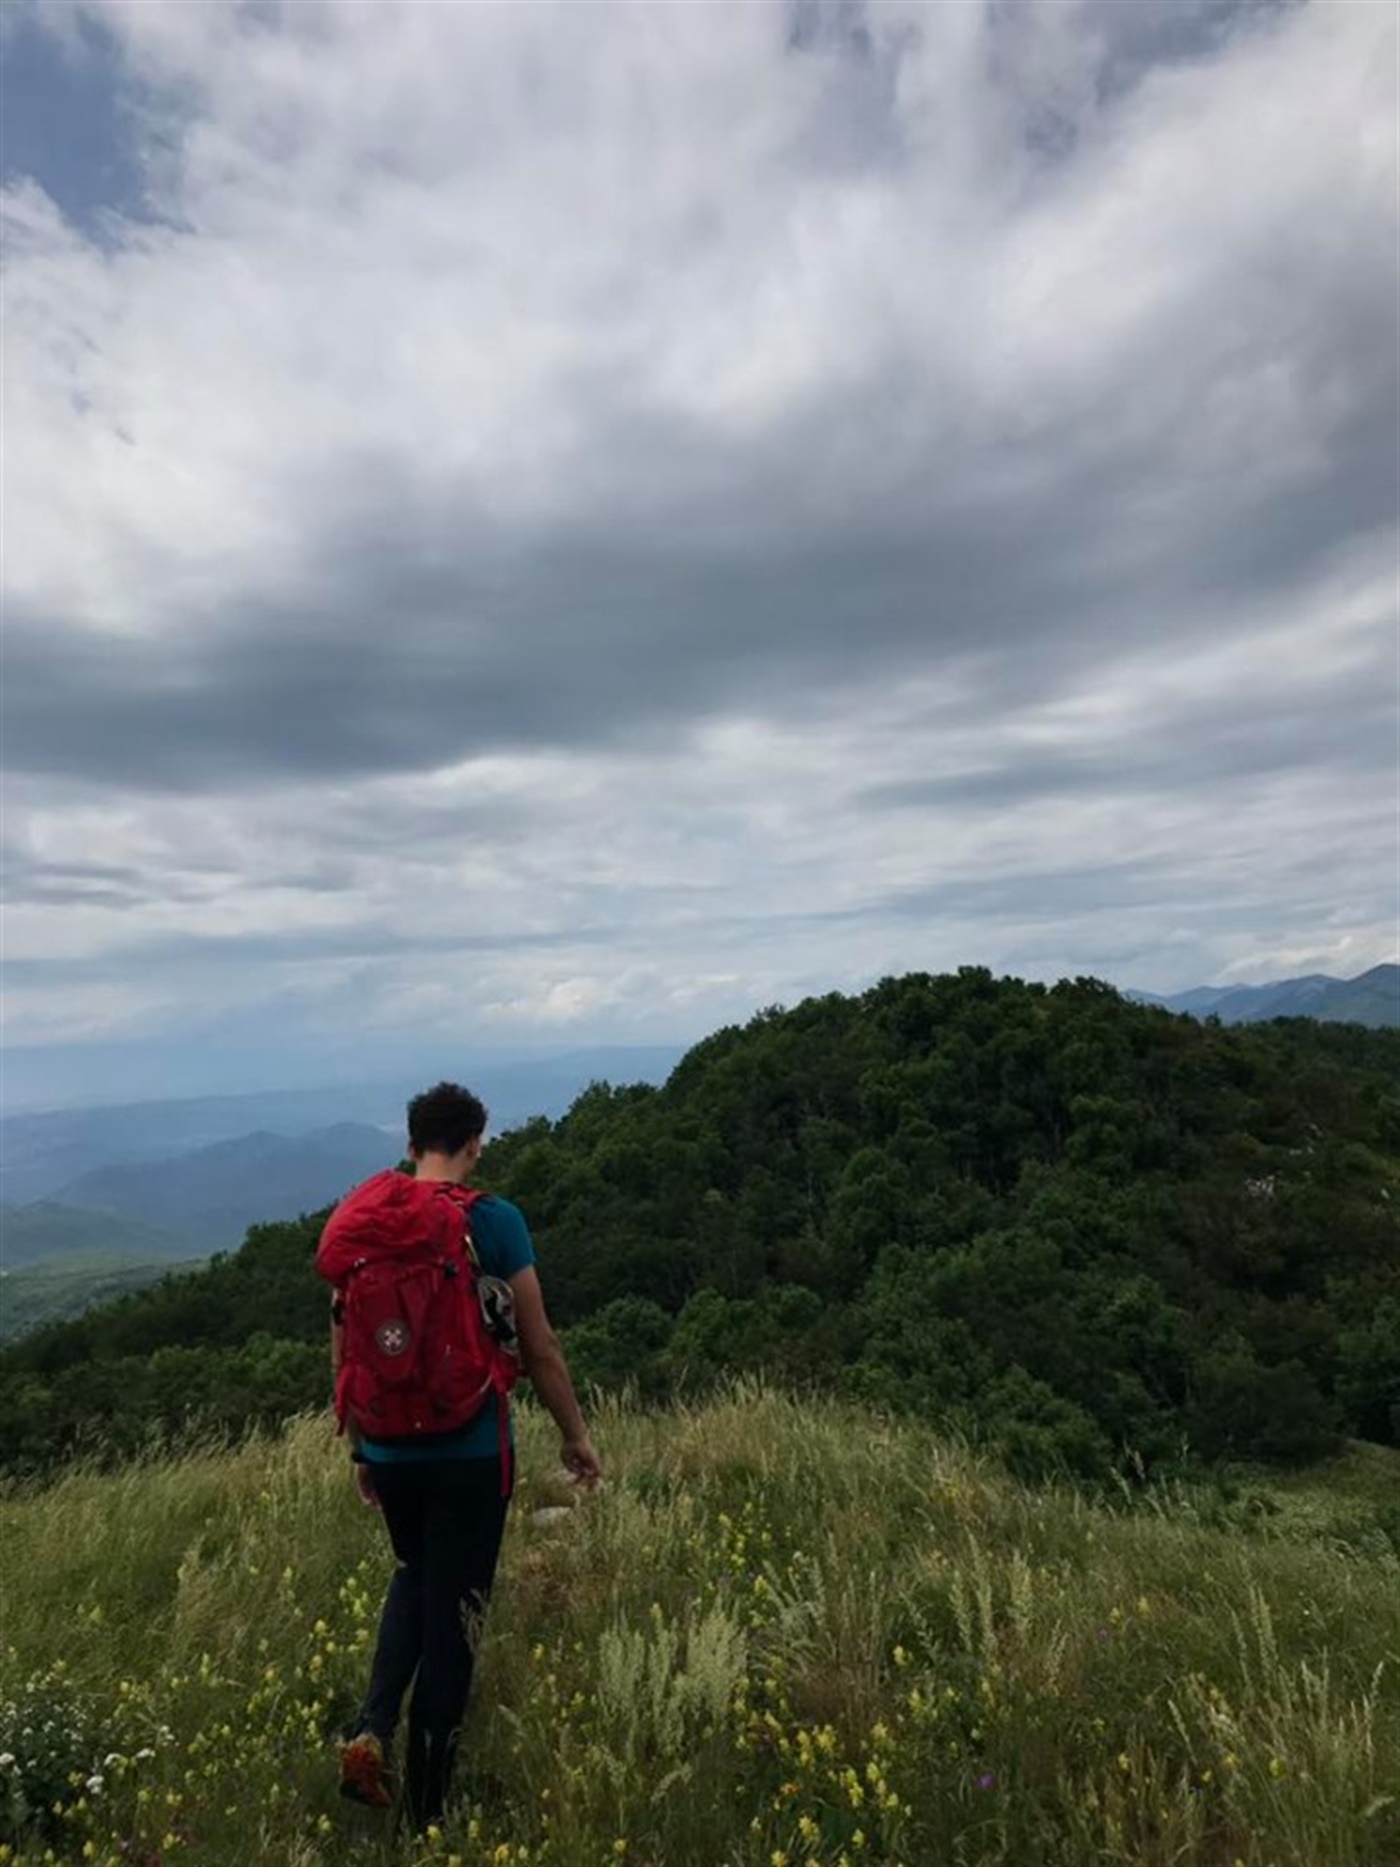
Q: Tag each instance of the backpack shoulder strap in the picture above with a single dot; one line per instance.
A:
(464, 1198)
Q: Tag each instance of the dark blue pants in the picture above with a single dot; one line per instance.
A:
(445, 1518)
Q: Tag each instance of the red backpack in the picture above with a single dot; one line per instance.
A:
(428, 1337)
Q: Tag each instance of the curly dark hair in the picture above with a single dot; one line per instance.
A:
(444, 1119)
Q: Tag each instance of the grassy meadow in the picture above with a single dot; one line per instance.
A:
(784, 1634)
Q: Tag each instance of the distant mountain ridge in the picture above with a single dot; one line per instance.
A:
(210, 1197)
(1372, 998)
(40, 1153)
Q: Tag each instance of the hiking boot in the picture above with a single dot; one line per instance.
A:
(364, 1776)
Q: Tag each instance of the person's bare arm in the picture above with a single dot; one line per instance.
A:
(542, 1359)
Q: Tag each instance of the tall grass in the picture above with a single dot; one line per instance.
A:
(783, 1633)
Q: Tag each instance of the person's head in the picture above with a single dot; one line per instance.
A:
(446, 1120)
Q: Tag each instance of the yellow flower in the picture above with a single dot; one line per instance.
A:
(1277, 1767)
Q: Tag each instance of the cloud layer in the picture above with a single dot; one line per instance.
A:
(599, 518)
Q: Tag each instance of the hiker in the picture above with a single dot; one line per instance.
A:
(444, 1494)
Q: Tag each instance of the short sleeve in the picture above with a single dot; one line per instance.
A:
(502, 1237)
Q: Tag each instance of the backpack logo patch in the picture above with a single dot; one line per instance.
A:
(391, 1338)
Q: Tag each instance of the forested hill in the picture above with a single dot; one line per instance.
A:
(1086, 1229)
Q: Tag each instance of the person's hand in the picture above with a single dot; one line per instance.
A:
(364, 1484)
(581, 1461)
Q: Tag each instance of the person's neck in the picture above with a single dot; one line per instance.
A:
(443, 1167)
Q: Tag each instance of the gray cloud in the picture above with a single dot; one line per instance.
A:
(660, 505)
(1340, 724)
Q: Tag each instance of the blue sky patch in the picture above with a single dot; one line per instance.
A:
(68, 122)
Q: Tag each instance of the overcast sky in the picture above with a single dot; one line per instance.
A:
(530, 525)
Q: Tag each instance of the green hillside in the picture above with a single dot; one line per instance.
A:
(1087, 1232)
(48, 1230)
(783, 1632)
(48, 1293)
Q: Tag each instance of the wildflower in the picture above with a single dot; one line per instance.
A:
(1277, 1767)
(987, 1780)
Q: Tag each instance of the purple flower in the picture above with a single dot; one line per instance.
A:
(988, 1780)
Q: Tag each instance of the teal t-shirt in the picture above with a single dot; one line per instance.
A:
(503, 1244)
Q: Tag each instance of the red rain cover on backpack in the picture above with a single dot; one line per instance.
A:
(416, 1354)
